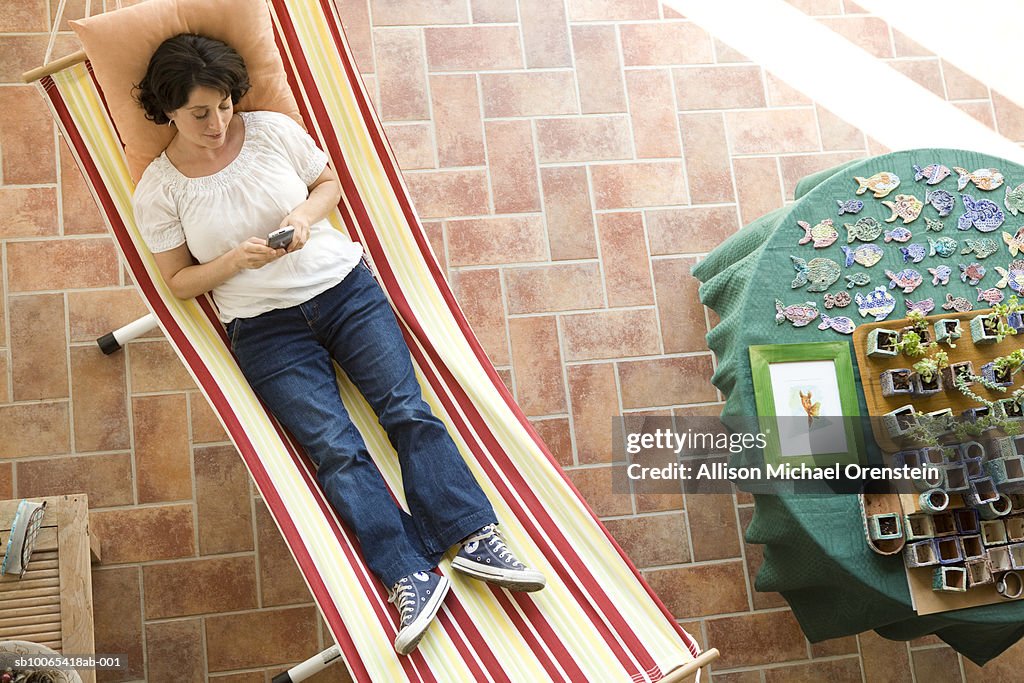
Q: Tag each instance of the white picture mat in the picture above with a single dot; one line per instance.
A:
(821, 435)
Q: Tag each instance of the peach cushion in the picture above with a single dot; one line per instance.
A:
(119, 45)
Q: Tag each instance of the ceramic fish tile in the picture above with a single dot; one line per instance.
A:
(944, 247)
(1013, 276)
(932, 224)
(972, 273)
(798, 314)
(983, 214)
(840, 324)
(943, 201)
(958, 304)
(840, 299)
(924, 306)
(907, 279)
(879, 303)
(1015, 243)
(866, 255)
(821, 273)
(849, 206)
(823, 234)
(932, 174)
(881, 184)
(984, 178)
(857, 280)
(907, 206)
(940, 275)
(981, 248)
(899, 234)
(1013, 199)
(914, 253)
(991, 295)
(866, 229)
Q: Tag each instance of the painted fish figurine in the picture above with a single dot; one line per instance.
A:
(857, 280)
(866, 229)
(820, 272)
(932, 224)
(940, 275)
(878, 303)
(798, 314)
(881, 184)
(981, 248)
(943, 201)
(866, 254)
(984, 178)
(972, 273)
(991, 296)
(1013, 199)
(924, 306)
(823, 234)
(840, 299)
(935, 173)
(907, 206)
(907, 279)
(1013, 276)
(944, 247)
(840, 324)
(850, 206)
(1015, 243)
(914, 253)
(959, 304)
(899, 234)
(983, 214)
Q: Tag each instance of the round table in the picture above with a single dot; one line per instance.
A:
(815, 552)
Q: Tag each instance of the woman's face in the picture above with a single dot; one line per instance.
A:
(204, 119)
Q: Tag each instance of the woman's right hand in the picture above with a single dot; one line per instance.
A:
(254, 253)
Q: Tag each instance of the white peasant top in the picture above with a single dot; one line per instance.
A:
(249, 197)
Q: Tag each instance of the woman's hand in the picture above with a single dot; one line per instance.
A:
(254, 253)
(301, 226)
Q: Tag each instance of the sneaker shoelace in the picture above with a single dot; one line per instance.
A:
(405, 597)
(502, 550)
(494, 542)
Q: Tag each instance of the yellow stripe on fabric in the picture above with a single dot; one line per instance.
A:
(647, 619)
(85, 108)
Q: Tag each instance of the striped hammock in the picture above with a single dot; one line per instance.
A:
(597, 620)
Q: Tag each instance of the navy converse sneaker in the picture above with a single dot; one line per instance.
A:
(418, 598)
(485, 556)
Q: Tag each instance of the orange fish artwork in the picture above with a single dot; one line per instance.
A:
(812, 409)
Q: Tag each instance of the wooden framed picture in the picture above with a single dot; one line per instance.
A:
(807, 403)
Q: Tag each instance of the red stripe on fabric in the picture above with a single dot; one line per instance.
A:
(622, 628)
(203, 376)
(491, 667)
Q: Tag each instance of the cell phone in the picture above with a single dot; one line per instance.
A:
(280, 238)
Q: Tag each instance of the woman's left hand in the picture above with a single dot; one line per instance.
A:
(301, 226)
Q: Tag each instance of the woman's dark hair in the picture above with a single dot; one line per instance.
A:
(183, 63)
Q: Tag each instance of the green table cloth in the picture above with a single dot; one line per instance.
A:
(815, 552)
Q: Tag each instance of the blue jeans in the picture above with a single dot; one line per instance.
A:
(286, 356)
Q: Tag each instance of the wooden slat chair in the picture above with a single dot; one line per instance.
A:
(52, 604)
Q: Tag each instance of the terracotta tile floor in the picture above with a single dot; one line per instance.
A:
(572, 159)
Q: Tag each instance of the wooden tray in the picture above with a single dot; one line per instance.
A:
(871, 368)
(919, 579)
